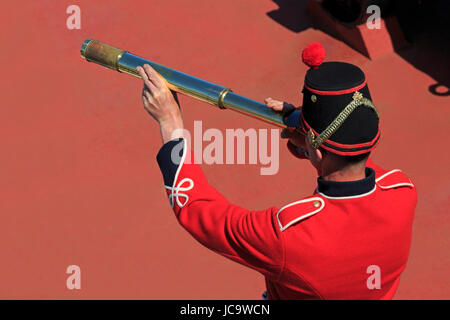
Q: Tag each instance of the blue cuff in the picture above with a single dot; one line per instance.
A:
(169, 164)
(293, 119)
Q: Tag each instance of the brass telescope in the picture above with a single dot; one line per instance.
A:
(222, 97)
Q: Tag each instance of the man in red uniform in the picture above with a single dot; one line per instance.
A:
(349, 240)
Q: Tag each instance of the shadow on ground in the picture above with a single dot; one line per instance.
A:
(425, 25)
(291, 14)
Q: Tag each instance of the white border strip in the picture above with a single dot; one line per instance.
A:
(174, 190)
(301, 217)
(386, 174)
(401, 184)
(183, 157)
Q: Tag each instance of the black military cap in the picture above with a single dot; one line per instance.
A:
(337, 112)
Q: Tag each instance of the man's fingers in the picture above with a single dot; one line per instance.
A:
(142, 73)
(144, 97)
(144, 77)
(145, 101)
(148, 95)
(269, 102)
(274, 104)
(153, 76)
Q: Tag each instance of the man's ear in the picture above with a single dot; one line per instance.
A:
(315, 155)
(318, 154)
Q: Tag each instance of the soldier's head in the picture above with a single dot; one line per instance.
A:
(338, 118)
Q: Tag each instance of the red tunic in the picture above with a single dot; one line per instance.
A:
(324, 246)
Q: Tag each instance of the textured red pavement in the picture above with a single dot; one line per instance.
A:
(78, 179)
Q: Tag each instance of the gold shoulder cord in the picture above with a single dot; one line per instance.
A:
(358, 100)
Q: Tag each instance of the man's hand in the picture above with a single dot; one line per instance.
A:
(295, 137)
(279, 106)
(159, 102)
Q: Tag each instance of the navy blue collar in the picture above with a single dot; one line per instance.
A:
(347, 188)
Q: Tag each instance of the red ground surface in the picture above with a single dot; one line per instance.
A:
(79, 182)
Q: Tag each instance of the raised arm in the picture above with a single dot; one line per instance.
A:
(252, 238)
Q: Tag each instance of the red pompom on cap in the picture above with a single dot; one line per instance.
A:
(313, 55)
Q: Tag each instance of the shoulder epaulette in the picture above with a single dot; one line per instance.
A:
(298, 211)
(393, 179)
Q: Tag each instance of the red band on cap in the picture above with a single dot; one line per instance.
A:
(341, 145)
(349, 153)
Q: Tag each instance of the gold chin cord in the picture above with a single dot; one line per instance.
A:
(222, 97)
(358, 101)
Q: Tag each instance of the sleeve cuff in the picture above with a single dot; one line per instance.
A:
(169, 159)
(292, 120)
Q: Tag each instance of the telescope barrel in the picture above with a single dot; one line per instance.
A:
(222, 97)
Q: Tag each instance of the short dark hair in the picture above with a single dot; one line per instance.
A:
(349, 160)
(356, 159)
